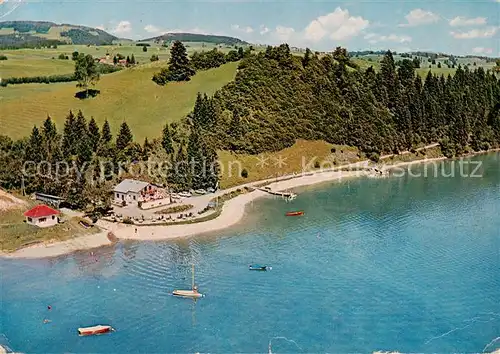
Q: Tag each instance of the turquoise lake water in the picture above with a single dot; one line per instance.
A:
(401, 263)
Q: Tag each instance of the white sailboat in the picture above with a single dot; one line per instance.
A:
(193, 293)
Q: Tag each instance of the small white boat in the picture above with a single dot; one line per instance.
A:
(187, 293)
(193, 293)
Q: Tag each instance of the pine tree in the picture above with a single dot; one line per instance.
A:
(106, 136)
(307, 57)
(132, 59)
(389, 79)
(211, 168)
(49, 130)
(83, 142)
(34, 150)
(196, 159)
(199, 109)
(124, 137)
(166, 141)
(84, 150)
(50, 138)
(181, 170)
(94, 134)
(147, 147)
(70, 136)
(179, 68)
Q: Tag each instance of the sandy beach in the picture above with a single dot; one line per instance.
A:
(232, 212)
(59, 248)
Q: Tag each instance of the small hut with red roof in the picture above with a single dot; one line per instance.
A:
(42, 216)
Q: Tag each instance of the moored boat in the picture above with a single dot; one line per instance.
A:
(99, 329)
(259, 267)
(193, 293)
(294, 213)
(187, 293)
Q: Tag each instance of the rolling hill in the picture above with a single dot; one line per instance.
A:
(18, 34)
(39, 33)
(194, 37)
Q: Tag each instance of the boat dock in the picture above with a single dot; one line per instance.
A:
(285, 195)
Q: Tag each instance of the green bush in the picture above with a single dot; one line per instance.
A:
(3, 57)
(244, 173)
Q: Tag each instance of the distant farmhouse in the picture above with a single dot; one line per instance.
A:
(131, 191)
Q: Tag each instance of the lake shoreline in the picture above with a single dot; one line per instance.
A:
(231, 214)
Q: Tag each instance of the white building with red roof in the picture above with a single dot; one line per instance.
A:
(42, 216)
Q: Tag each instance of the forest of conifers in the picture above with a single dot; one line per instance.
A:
(275, 99)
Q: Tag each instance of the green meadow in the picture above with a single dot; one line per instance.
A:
(128, 95)
(39, 62)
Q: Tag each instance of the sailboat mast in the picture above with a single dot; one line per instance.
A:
(192, 280)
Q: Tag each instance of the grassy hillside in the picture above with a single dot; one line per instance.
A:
(293, 159)
(38, 62)
(19, 33)
(126, 95)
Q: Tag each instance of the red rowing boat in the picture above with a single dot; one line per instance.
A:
(89, 331)
(295, 213)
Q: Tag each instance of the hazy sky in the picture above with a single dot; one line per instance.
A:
(459, 27)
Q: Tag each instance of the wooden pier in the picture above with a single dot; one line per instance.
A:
(285, 195)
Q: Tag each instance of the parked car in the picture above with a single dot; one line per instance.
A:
(211, 190)
(200, 191)
(185, 194)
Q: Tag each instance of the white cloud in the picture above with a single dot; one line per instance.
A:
(283, 33)
(481, 50)
(418, 17)
(123, 27)
(336, 25)
(376, 38)
(238, 28)
(464, 21)
(475, 33)
(153, 29)
(264, 30)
